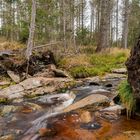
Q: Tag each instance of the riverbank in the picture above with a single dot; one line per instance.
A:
(88, 64)
(91, 112)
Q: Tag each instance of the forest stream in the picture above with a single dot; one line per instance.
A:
(69, 70)
(68, 116)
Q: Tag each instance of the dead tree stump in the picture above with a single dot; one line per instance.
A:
(133, 67)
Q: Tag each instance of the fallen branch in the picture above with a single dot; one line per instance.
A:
(47, 45)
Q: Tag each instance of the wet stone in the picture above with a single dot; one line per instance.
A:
(85, 117)
(114, 76)
(89, 101)
(120, 71)
(110, 116)
(114, 108)
(7, 137)
(13, 76)
(47, 132)
(108, 85)
(91, 125)
(94, 84)
(30, 107)
(72, 118)
(7, 109)
(3, 83)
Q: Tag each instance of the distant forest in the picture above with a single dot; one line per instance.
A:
(111, 22)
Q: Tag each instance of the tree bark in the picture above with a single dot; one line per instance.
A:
(64, 25)
(104, 38)
(31, 31)
(117, 21)
(31, 36)
(125, 24)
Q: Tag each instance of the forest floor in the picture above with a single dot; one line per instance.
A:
(87, 64)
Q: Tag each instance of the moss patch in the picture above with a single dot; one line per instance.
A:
(4, 101)
(126, 96)
(86, 65)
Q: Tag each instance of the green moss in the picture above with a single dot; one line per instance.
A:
(126, 96)
(66, 86)
(62, 62)
(30, 96)
(7, 79)
(88, 50)
(79, 72)
(108, 62)
(93, 64)
(62, 90)
(82, 72)
(3, 101)
(99, 65)
(3, 86)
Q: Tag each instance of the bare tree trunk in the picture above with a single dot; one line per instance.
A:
(117, 21)
(125, 24)
(1, 16)
(104, 38)
(98, 15)
(92, 19)
(79, 12)
(64, 25)
(82, 15)
(73, 26)
(31, 34)
(31, 31)
(110, 23)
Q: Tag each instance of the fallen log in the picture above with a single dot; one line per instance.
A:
(18, 63)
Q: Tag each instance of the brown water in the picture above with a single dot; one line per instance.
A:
(69, 126)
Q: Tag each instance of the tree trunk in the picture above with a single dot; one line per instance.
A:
(133, 68)
(64, 25)
(31, 31)
(117, 21)
(125, 24)
(73, 25)
(31, 35)
(104, 38)
(92, 20)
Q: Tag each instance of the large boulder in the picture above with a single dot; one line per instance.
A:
(88, 102)
(34, 86)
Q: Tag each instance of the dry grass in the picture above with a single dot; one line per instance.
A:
(115, 50)
(2, 39)
(7, 45)
(73, 61)
(93, 64)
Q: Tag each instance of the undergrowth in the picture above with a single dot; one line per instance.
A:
(86, 64)
(7, 45)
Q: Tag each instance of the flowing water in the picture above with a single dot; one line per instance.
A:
(47, 121)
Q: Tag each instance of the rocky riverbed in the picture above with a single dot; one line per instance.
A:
(86, 111)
